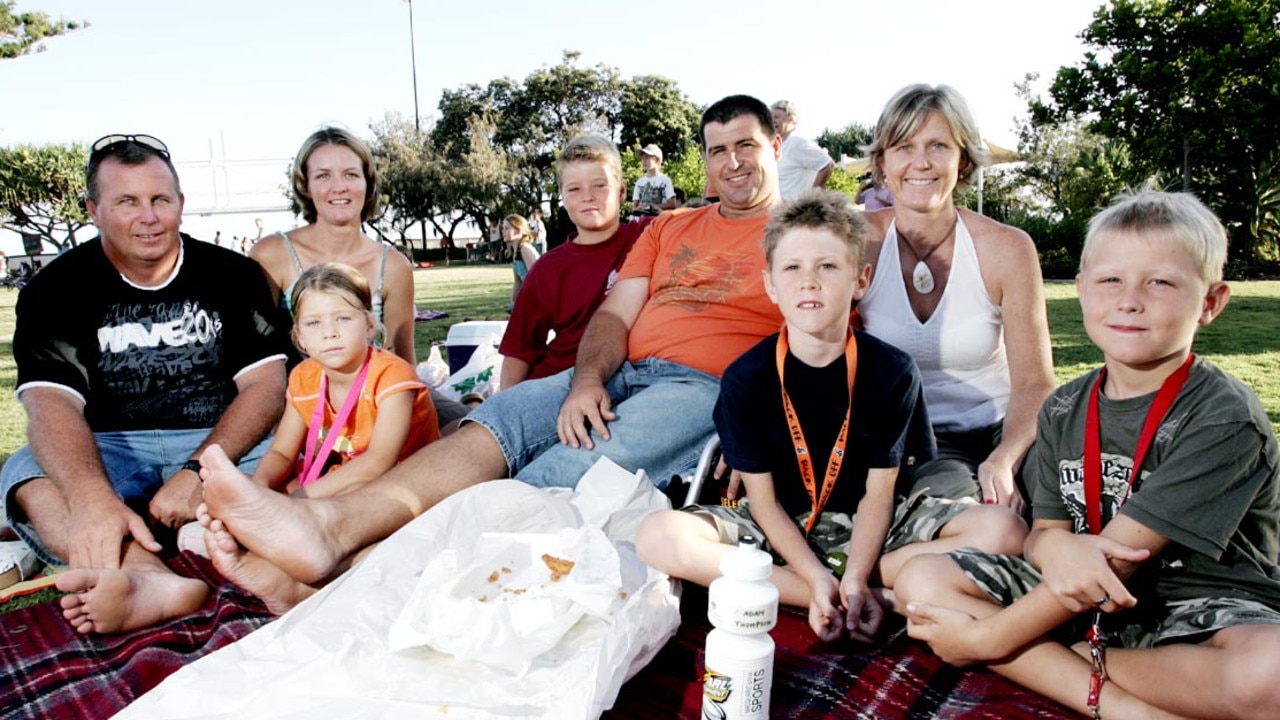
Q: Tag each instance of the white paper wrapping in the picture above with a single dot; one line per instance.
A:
(385, 641)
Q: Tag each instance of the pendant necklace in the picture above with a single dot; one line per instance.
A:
(921, 275)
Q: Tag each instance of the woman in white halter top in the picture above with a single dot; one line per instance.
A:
(961, 293)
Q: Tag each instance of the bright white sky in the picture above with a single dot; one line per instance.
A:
(250, 79)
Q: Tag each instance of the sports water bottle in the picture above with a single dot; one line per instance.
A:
(743, 606)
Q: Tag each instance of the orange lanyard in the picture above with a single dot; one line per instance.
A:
(817, 500)
(1169, 390)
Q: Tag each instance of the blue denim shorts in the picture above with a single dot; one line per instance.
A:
(664, 420)
(137, 462)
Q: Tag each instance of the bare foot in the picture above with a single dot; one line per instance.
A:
(267, 582)
(109, 601)
(291, 534)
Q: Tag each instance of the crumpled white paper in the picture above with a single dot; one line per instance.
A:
(333, 655)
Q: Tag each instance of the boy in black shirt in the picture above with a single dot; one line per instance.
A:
(824, 444)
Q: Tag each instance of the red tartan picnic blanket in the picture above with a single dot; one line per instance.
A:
(49, 671)
(897, 680)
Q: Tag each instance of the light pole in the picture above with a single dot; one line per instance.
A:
(417, 122)
(413, 60)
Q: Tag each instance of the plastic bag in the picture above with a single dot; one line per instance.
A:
(482, 374)
(433, 371)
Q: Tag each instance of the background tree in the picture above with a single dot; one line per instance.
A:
(1193, 89)
(509, 132)
(1069, 169)
(41, 191)
(653, 110)
(403, 156)
(848, 141)
(20, 33)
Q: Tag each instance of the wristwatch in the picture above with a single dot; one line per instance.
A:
(192, 465)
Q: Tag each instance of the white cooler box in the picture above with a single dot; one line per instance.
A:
(465, 337)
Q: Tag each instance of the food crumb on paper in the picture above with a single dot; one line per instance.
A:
(559, 566)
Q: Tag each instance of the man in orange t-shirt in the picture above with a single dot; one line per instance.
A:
(689, 299)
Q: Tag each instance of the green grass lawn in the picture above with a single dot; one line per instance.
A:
(1245, 340)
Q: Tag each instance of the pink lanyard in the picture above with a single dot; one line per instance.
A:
(313, 462)
(1169, 390)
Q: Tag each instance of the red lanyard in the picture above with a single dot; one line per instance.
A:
(312, 462)
(797, 435)
(1093, 442)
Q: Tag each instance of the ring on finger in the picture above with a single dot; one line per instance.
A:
(1106, 598)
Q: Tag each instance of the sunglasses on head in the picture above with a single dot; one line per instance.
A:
(109, 141)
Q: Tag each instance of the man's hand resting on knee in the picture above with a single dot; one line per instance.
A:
(587, 407)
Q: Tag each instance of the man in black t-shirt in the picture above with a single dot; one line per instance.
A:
(173, 344)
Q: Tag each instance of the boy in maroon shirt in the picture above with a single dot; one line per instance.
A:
(563, 290)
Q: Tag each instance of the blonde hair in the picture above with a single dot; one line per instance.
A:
(590, 148)
(335, 278)
(818, 209)
(788, 108)
(334, 136)
(521, 226)
(1178, 216)
(909, 110)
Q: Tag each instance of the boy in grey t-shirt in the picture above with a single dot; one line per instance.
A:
(1154, 502)
(654, 191)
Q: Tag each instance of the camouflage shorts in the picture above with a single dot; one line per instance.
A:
(919, 518)
(1005, 578)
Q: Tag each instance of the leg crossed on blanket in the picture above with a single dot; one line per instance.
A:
(281, 548)
(143, 592)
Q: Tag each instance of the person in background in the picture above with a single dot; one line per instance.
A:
(562, 293)
(804, 164)
(873, 195)
(959, 292)
(335, 182)
(515, 232)
(653, 192)
(538, 229)
(174, 344)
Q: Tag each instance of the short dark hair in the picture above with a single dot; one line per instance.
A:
(126, 152)
(733, 107)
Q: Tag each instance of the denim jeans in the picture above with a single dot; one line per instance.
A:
(664, 419)
(138, 462)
